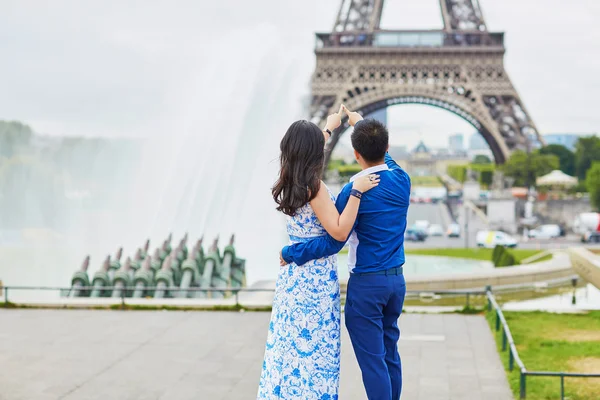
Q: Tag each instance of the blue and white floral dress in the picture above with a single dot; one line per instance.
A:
(302, 356)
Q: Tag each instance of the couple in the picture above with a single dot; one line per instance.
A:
(302, 356)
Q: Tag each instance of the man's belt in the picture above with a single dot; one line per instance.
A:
(391, 271)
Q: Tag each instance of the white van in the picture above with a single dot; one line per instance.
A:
(545, 232)
(491, 239)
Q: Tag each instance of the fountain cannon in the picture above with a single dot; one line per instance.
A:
(222, 273)
(137, 261)
(238, 273)
(115, 264)
(165, 250)
(168, 247)
(188, 273)
(145, 249)
(164, 278)
(199, 254)
(155, 261)
(211, 263)
(101, 279)
(176, 261)
(80, 279)
(143, 277)
(122, 278)
(183, 245)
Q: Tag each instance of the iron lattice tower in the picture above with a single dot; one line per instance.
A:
(459, 68)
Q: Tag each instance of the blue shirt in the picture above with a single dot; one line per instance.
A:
(377, 240)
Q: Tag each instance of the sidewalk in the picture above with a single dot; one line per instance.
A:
(80, 354)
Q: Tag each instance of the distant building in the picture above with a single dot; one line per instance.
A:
(569, 140)
(422, 161)
(477, 142)
(398, 152)
(456, 142)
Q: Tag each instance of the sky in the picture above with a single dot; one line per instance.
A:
(127, 67)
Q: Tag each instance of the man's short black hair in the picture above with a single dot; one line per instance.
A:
(370, 139)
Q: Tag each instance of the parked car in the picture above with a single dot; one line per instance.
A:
(491, 239)
(435, 230)
(422, 224)
(591, 237)
(414, 235)
(545, 232)
(453, 230)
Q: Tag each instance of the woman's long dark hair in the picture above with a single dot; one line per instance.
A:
(302, 158)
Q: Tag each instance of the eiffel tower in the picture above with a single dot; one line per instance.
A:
(459, 68)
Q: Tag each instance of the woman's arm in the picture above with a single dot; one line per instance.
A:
(333, 122)
(336, 224)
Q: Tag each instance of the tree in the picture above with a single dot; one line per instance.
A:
(486, 178)
(566, 157)
(14, 137)
(587, 150)
(457, 172)
(482, 159)
(525, 168)
(592, 182)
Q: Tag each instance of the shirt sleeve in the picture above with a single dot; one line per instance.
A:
(390, 162)
(323, 246)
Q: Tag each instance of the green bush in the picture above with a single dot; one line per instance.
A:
(486, 178)
(349, 170)
(507, 260)
(498, 250)
(458, 172)
(592, 182)
(502, 257)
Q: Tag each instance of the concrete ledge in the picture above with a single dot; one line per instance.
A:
(586, 264)
(556, 268)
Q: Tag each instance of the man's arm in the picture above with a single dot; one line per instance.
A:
(324, 246)
(390, 162)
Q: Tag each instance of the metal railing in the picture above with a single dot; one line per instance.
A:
(508, 343)
(231, 292)
(124, 290)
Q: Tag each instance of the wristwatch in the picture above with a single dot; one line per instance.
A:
(328, 131)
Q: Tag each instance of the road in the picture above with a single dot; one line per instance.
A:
(433, 214)
(429, 212)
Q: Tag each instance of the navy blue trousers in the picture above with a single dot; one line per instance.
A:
(373, 306)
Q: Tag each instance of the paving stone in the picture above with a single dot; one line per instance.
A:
(81, 355)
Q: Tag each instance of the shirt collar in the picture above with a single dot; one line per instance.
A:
(372, 170)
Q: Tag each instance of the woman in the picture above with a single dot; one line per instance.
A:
(302, 357)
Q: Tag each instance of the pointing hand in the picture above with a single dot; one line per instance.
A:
(335, 120)
(353, 116)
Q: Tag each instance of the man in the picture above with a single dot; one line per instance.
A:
(376, 287)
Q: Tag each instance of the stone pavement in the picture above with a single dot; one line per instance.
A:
(86, 354)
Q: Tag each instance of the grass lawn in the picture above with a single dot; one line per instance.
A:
(430, 181)
(554, 342)
(475, 254)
